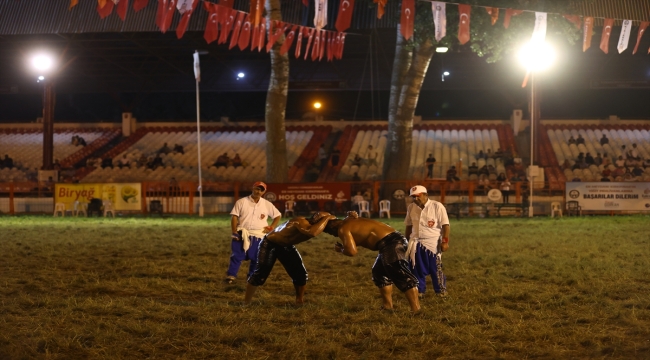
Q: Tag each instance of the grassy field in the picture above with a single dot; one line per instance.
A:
(152, 288)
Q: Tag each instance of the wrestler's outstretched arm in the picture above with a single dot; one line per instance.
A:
(314, 230)
(349, 247)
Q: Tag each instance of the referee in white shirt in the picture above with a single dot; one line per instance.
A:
(249, 224)
(427, 228)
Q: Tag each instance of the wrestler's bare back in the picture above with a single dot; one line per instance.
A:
(297, 230)
(364, 232)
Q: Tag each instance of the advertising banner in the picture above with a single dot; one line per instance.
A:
(123, 196)
(309, 192)
(610, 196)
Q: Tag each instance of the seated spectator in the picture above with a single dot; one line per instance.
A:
(637, 171)
(480, 155)
(566, 164)
(619, 171)
(604, 140)
(484, 170)
(356, 177)
(178, 149)
(81, 141)
(580, 140)
(502, 177)
(357, 160)
(630, 162)
(571, 140)
(492, 171)
(473, 169)
(598, 160)
(483, 184)
(634, 153)
(624, 151)
(222, 160)
(56, 165)
(589, 159)
(489, 154)
(451, 174)
(646, 163)
(498, 154)
(164, 149)
(236, 161)
(576, 179)
(606, 160)
(124, 162)
(336, 156)
(356, 199)
(142, 161)
(75, 140)
(605, 179)
(620, 162)
(107, 162)
(7, 162)
(606, 172)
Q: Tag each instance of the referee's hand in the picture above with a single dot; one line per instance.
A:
(236, 236)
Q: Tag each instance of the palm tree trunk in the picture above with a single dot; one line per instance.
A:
(276, 104)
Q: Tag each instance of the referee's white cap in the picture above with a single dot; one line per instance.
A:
(418, 189)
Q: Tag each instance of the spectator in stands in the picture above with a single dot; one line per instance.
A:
(502, 177)
(107, 162)
(618, 172)
(75, 140)
(505, 189)
(7, 162)
(580, 140)
(606, 172)
(624, 151)
(336, 156)
(576, 179)
(620, 162)
(155, 162)
(489, 154)
(637, 171)
(322, 156)
(356, 199)
(124, 162)
(634, 153)
(142, 161)
(371, 156)
(605, 179)
(571, 140)
(646, 163)
(483, 184)
(604, 140)
(480, 155)
(630, 161)
(484, 171)
(451, 174)
(236, 161)
(222, 160)
(566, 164)
(498, 154)
(178, 149)
(357, 160)
(515, 178)
(56, 165)
(598, 160)
(355, 177)
(164, 149)
(589, 159)
(606, 160)
(472, 170)
(367, 196)
(81, 141)
(430, 162)
(492, 171)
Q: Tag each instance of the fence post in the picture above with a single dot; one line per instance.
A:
(11, 199)
(143, 187)
(192, 187)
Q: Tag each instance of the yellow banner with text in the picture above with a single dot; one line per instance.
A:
(123, 196)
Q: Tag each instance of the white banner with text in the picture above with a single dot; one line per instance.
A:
(626, 196)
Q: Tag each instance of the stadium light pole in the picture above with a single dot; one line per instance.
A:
(535, 56)
(197, 76)
(44, 66)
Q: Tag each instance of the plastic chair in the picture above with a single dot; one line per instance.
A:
(59, 207)
(384, 208)
(364, 207)
(288, 208)
(556, 209)
(80, 208)
(573, 208)
(108, 208)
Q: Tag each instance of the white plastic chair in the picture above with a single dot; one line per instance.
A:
(556, 209)
(288, 208)
(108, 207)
(59, 208)
(384, 208)
(364, 207)
(80, 208)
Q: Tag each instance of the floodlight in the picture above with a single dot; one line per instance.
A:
(537, 55)
(241, 75)
(43, 63)
(446, 73)
(317, 105)
(442, 49)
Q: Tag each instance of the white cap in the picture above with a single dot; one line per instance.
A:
(418, 189)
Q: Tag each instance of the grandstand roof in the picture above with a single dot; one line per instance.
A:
(110, 58)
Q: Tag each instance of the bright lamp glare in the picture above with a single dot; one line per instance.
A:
(42, 62)
(536, 56)
(241, 75)
(317, 105)
(41, 78)
(446, 73)
(442, 49)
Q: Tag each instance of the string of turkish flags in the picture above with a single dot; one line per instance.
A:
(245, 29)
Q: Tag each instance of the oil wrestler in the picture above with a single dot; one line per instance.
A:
(279, 244)
(391, 266)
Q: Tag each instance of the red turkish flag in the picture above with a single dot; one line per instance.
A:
(494, 14)
(227, 3)
(106, 10)
(226, 27)
(275, 32)
(234, 39)
(463, 23)
(642, 28)
(160, 12)
(344, 18)
(257, 7)
(245, 35)
(323, 44)
(330, 40)
(574, 19)
(336, 44)
(380, 7)
(185, 19)
(288, 40)
(255, 35)
(261, 39)
(315, 48)
(311, 36)
(607, 31)
(340, 52)
(510, 13)
(139, 5)
(407, 18)
(169, 15)
(122, 6)
(299, 33)
(211, 30)
(587, 29)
